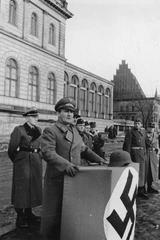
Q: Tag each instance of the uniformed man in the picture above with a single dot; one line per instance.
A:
(61, 147)
(87, 132)
(24, 152)
(135, 144)
(153, 161)
(80, 124)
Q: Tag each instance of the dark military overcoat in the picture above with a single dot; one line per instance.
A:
(27, 167)
(59, 147)
(135, 144)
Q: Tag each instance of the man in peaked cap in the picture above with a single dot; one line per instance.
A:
(24, 152)
(31, 112)
(80, 124)
(65, 103)
(61, 148)
(138, 119)
(135, 144)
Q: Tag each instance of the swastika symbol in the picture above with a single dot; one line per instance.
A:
(115, 220)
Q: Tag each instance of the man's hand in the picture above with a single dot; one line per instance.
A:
(103, 162)
(72, 170)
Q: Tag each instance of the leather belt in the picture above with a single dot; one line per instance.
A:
(137, 148)
(25, 149)
(151, 149)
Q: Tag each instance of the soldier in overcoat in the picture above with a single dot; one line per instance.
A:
(24, 152)
(135, 144)
(61, 148)
(153, 162)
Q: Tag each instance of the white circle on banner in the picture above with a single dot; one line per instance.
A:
(120, 213)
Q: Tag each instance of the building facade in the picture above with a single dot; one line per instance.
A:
(34, 70)
(130, 101)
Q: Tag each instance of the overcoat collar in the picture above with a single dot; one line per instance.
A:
(140, 131)
(62, 127)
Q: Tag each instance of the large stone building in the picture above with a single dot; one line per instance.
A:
(34, 70)
(130, 100)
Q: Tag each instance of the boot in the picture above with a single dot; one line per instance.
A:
(152, 190)
(142, 193)
(31, 218)
(21, 220)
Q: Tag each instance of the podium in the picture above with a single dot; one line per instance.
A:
(99, 203)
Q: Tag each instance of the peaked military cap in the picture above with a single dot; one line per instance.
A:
(31, 112)
(119, 158)
(87, 123)
(80, 121)
(138, 119)
(92, 124)
(65, 103)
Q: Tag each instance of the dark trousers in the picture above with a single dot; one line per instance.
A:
(24, 211)
(149, 175)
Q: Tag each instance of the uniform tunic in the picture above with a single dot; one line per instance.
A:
(153, 162)
(135, 144)
(27, 167)
(60, 146)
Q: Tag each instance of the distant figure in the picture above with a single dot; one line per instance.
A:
(93, 130)
(80, 125)
(24, 152)
(153, 161)
(98, 145)
(106, 130)
(89, 142)
(112, 132)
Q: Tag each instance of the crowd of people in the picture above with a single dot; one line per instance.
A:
(66, 145)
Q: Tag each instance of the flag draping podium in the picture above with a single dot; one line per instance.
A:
(99, 203)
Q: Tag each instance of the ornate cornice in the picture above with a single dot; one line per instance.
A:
(60, 6)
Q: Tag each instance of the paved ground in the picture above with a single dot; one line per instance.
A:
(147, 225)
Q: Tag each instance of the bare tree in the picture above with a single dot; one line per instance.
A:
(145, 109)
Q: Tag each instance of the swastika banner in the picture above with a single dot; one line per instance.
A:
(120, 213)
(100, 204)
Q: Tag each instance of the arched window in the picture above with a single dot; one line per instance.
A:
(74, 88)
(52, 33)
(33, 84)
(34, 24)
(84, 96)
(107, 101)
(92, 99)
(11, 78)
(12, 12)
(66, 82)
(51, 88)
(100, 101)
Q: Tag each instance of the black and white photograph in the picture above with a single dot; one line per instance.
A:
(79, 120)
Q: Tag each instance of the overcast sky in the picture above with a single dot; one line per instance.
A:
(102, 33)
